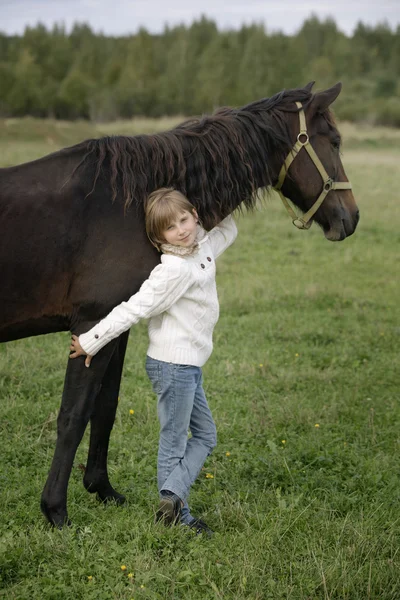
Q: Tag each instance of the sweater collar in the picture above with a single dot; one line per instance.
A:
(180, 250)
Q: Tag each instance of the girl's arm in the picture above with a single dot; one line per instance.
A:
(166, 284)
(223, 235)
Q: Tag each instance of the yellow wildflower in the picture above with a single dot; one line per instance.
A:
(209, 476)
(283, 441)
(130, 575)
(297, 355)
(316, 425)
(131, 412)
(90, 577)
(261, 365)
(123, 567)
(227, 453)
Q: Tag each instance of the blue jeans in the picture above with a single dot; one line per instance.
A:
(182, 406)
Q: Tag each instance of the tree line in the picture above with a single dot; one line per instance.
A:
(189, 70)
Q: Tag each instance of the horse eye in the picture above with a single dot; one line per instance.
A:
(336, 143)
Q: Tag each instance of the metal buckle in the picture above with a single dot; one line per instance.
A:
(299, 223)
(304, 133)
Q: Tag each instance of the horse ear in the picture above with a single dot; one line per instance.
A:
(309, 86)
(322, 100)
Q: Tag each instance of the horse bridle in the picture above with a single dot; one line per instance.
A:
(303, 141)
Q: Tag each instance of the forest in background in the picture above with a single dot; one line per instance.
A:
(189, 70)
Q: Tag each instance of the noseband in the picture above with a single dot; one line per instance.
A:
(303, 141)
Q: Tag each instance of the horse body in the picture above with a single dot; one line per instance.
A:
(64, 258)
(68, 254)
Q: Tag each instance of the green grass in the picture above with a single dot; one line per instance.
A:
(308, 335)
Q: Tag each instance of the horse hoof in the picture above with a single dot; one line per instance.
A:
(56, 518)
(115, 498)
(61, 524)
(104, 491)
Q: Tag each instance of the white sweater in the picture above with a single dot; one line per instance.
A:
(180, 299)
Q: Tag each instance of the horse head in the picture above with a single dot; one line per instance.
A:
(312, 176)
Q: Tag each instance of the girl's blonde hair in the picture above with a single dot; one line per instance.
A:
(161, 208)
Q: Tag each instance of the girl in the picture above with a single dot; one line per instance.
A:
(180, 300)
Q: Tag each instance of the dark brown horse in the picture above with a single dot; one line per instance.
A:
(73, 243)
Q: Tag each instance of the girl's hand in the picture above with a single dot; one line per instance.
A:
(77, 350)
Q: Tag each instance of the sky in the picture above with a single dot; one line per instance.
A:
(121, 17)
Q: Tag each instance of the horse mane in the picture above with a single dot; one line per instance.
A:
(218, 161)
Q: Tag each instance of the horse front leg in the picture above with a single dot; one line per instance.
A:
(101, 423)
(81, 387)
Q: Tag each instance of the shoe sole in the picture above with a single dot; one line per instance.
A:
(167, 512)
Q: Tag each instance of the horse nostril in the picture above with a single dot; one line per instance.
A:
(357, 217)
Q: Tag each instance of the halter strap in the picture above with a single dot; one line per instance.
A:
(303, 141)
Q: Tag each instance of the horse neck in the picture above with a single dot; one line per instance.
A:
(220, 179)
(268, 158)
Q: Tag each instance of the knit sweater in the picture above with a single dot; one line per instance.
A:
(180, 299)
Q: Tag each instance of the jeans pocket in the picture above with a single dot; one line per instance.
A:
(154, 373)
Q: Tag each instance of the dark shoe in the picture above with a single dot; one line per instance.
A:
(169, 508)
(199, 527)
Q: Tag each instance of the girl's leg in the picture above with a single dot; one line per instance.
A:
(197, 448)
(175, 388)
(202, 442)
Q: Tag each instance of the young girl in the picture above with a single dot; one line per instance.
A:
(180, 299)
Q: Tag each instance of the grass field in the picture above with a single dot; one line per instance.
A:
(303, 489)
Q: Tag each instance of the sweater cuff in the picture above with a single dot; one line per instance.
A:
(92, 342)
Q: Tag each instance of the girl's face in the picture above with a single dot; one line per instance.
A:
(182, 230)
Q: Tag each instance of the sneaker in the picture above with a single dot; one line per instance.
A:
(169, 508)
(199, 527)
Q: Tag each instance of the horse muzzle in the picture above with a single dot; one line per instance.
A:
(343, 226)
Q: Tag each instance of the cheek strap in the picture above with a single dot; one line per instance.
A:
(303, 141)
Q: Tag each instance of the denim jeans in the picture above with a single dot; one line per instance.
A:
(182, 406)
